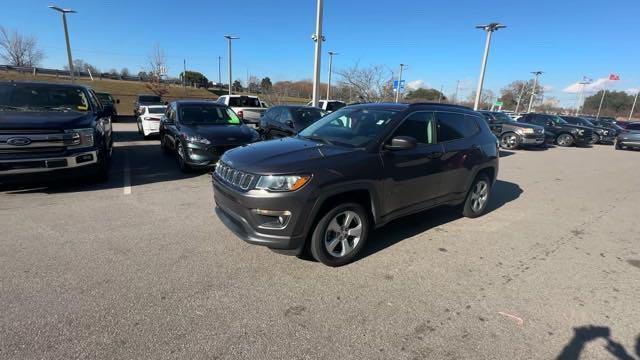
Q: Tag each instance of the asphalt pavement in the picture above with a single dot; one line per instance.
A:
(139, 267)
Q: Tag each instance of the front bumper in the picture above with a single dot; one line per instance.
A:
(532, 140)
(46, 163)
(237, 210)
(201, 155)
(150, 127)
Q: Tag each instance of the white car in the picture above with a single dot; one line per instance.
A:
(149, 119)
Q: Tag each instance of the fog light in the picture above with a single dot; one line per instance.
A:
(84, 158)
(272, 219)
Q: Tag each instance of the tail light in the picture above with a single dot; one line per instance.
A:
(241, 114)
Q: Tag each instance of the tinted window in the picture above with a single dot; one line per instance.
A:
(37, 97)
(633, 126)
(244, 101)
(207, 114)
(304, 117)
(273, 113)
(419, 125)
(335, 105)
(285, 115)
(452, 126)
(156, 110)
(536, 120)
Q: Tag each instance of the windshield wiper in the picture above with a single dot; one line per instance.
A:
(318, 138)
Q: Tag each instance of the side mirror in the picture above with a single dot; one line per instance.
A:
(289, 123)
(117, 101)
(401, 143)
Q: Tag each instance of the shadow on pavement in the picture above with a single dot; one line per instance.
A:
(585, 334)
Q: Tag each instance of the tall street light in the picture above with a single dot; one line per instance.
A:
(536, 74)
(318, 38)
(402, 66)
(64, 13)
(229, 38)
(220, 69)
(489, 29)
(331, 54)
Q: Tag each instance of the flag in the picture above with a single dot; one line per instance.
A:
(614, 77)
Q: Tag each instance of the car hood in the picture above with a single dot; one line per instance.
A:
(282, 156)
(223, 134)
(523, 125)
(18, 120)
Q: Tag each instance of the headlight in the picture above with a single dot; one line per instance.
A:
(282, 183)
(580, 132)
(80, 138)
(196, 139)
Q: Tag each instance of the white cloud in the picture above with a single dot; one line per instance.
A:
(417, 84)
(595, 86)
(632, 91)
(547, 88)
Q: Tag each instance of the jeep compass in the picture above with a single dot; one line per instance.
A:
(326, 189)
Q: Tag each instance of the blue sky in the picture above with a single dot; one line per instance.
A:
(566, 39)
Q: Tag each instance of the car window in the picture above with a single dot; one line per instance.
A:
(633, 127)
(306, 116)
(536, 120)
(244, 101)
(419, 125)
(285, 115)
(42, 97)
(454, 126)
(95, 103)
(335, 105)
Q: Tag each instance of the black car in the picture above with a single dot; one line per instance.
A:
(629, 138)
(559, 131)
(612, 126)
(145, 99)
(107, 99)
(354, 170)
(599, 135)
(287, 120)
(198, 132)
(54, 129)
(514, 134)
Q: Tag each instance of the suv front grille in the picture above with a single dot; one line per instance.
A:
(233, 176)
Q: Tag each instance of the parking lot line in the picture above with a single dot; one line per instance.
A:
(127, 177)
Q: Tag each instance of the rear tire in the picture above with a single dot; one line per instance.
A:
(478, 196)
(340, 235)
(565, 140)
(595, 138)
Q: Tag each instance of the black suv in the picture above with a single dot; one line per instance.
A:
(55, 129)
(143, 100)
(599, 135)
(200, 131)
(559, 131)
(355, 169)
(515, 134)
(287, 120)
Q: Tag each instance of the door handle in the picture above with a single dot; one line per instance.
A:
(435, 155)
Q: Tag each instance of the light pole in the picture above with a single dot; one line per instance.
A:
(331, 53)
(455, 97)
(580, 95)
(318, 38)
(399, 82)
(229, 38)
(635, 100)
(489, 29)
(220, 69)
(524, 87)
(66, 35)
(536, 74)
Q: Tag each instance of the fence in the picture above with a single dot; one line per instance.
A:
(81, 74)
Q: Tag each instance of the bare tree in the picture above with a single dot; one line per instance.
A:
(158, 68)
(370, 84)
(19, 50)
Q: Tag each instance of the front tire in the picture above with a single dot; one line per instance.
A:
(478, 197)
(181, 158)
(619, 146)
(340, 235)
(595, 138)
(510, 141)
(565, 140)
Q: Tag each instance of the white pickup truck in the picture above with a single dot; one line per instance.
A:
(248, 108)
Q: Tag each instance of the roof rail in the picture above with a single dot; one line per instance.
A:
(438, 104)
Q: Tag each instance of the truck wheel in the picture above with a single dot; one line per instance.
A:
(565, 140)
(340, 234)
(510, 141)
(477, 198)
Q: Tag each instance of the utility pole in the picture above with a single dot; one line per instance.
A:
(490, 28)
(524, 87)
(184, 75)
(455, 97)
(318, 38)
(604, 91)
(533, 91)
(331, 54)
(229, 38)
(635, 100)
(220, 69)
(66, 36)
(399, 82)
(441, 93)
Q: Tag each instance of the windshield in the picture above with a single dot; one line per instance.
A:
(305, 117)
(351, 127)
(39, 97)
(244, 101)
(207, 114)
(586, 122)
(502, 117)
(157, 110)
(104, 98)
(150, 99)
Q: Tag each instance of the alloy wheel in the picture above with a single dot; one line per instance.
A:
(343, 233)
(509, 141)
(479, 196)
(564, 140)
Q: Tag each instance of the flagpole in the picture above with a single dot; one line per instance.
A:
(604, 92)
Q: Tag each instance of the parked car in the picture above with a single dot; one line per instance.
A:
(495, 126)
(352, 171)
(58, 129)
(145, 100)
(599, 135)
(287, 120)
(629, 138)
(149, 120)
(515, 135)
(329, 105)
(612, 126)
(248, 108)
(198, 132)
(107, 99)
(559, 131)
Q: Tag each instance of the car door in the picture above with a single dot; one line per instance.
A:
(171, 126)
(265, 120)
(457, 132)
(287, 127)
(550, 129)
(413, 176)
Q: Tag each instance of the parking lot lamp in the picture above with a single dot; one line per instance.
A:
(402, 66)
(229, 38)
(64, 13)
(318, 38)
(536, 74)
(489, 29)
(331, 54)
